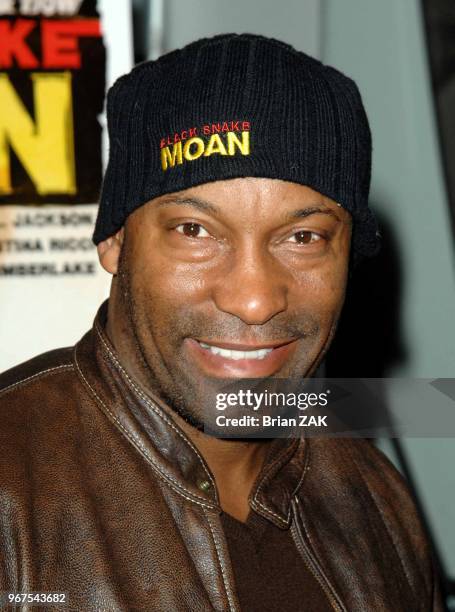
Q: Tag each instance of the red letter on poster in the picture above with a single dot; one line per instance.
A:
(60, 41)
(12, 44)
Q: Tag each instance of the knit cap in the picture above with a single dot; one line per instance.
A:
(236, 106)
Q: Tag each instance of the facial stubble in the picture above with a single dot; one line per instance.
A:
(171, 384)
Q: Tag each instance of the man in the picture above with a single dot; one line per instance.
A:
(235, 193)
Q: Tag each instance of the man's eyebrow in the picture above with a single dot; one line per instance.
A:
(189, 201)
(301, 213)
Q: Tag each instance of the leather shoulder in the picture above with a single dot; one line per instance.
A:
(374, 503)
(34, 371)
(363, 466)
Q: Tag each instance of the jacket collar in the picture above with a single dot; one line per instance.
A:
(147, 423)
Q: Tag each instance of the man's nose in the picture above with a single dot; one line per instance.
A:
(254, 288)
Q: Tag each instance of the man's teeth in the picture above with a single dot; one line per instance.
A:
(230, 354)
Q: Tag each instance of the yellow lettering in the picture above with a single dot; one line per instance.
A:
(170, 159)
(215, 145)
(187, 154)
(233, 141)
(45, 146)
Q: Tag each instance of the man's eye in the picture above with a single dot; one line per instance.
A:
(305, 237)
(192, 230)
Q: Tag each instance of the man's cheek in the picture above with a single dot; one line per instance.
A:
(329, 287)
(183, 289)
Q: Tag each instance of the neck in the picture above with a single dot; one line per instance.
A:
(235, 466)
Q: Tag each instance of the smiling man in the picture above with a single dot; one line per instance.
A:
(234, 200)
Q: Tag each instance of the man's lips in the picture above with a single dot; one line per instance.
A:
(239, 360)
(236, 346)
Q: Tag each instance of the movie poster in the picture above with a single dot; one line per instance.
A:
(55, 65)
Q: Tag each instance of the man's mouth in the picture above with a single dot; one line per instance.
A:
(235, 360)
(236, 354)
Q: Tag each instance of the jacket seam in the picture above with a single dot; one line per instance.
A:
(271, 512)
(153, 406)
(256, 500)
(391, 536)
(318, 572)
(307, 533)
(274, 514)
(137, 444)
(306, 467)
(223, 573)
(66, 366)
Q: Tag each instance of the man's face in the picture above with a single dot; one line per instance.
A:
(243, 278)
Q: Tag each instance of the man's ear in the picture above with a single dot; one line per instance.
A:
(109, 252)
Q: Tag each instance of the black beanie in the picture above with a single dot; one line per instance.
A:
(236, 106)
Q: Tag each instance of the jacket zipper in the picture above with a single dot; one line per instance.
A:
(312, 563)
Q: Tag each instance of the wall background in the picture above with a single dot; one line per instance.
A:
(295, 21)
(386, 55)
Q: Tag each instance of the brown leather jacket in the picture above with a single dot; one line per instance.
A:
(103, 497)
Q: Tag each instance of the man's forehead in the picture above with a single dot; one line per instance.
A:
(286, 199)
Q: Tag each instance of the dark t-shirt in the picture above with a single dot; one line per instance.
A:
(269, 572)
